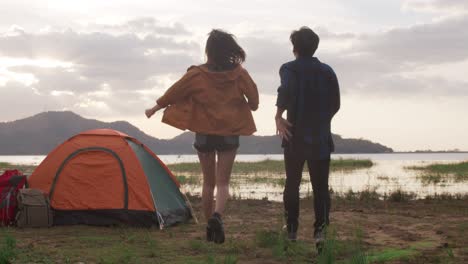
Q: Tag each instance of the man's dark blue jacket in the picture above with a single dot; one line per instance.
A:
(310, 93)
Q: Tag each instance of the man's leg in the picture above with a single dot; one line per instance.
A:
(294, 164)
(319, 173)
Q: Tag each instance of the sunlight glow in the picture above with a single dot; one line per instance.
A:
(59, 93)
(23, 78)
(10, 69)
(6, 62)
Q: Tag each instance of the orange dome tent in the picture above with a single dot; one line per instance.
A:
(105, 177)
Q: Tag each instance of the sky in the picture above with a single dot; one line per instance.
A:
(401, 64)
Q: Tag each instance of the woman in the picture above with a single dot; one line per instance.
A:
(215, 101)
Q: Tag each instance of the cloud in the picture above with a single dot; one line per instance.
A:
(437, 42)
(380, 63)
(326, 34)
(117, 69)
(97, 48)
(144, 25)
(86, 48)
(23, 101)
(437, 6)
(93, 70)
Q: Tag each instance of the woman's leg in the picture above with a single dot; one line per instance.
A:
(208, 165)
(223, 175)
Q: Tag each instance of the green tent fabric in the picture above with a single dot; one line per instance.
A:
(169, 202)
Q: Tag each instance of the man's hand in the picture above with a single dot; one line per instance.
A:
(282, 128)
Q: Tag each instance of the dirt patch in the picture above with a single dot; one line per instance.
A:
(414, 232)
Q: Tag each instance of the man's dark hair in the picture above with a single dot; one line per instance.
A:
(305, 41)
(223, 50)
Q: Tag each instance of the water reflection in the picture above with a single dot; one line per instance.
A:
(385, 177)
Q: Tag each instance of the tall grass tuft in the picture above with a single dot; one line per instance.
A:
(333, 249)
(283, 249)
(401, 196)
(438, 172)
(329, 249)
(230, 259)
(367, 195)
(8, 249)
(358, 256)
(447, 196)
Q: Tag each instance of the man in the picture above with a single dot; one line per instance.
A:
(309, 92)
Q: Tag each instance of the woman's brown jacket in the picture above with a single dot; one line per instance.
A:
(214, 103)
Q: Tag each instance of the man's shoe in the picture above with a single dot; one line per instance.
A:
(319, 237)
(217, 228)
(292, 236)
(319, 247)
(292, 232)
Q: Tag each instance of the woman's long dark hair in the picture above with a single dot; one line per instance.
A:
(222, 50)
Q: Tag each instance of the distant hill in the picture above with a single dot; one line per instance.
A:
(39, 134)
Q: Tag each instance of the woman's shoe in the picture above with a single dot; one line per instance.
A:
(217, 228)
(209, 234)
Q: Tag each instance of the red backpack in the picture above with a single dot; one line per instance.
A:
(10, 182)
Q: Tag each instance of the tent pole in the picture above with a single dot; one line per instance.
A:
(190, 208)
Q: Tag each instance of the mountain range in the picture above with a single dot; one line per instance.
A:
(39, 134)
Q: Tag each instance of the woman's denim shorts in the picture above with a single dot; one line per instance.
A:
(209, 143)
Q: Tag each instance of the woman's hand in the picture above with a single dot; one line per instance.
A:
(282, 128)
(151, 111)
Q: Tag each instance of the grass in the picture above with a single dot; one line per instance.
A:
(401, 196)
(7, 249)
(365, 195)
(254, 236)
(118, 254)
(439, 172)
(402, 254)
(265, 166)
(188, 180)
(447, 197)
(27, 169)
(337, 250)
(350, 164)
(430, 178)
(272, 166)
(251, 171)
(122, 245)
(370, 195)
(398, 196)
(383, 178)
(391, 255)
(281, 248)
(227, 254)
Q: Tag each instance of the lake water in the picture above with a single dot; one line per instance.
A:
(387, 175)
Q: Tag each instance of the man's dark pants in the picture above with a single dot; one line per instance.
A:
(319, 171)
